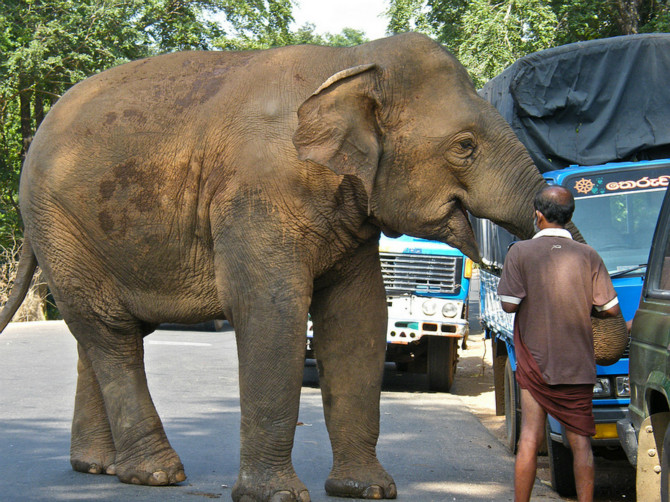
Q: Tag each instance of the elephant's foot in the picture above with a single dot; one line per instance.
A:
(363, 482)
(94, 453)
(91, 461)
(155, 469)
(252, 486)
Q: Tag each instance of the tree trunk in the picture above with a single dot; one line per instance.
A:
(629, 19)
(38, 108)
(25, 95)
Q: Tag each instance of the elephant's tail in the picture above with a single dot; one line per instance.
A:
(27, 266)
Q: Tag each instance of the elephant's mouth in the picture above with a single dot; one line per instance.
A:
(459, 231)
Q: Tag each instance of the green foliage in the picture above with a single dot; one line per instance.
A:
(581, 20)
(657, 20)
(407, 15)
(489, 35)
(254, 24)
(519, 27)
(486, 36)
(348, 37)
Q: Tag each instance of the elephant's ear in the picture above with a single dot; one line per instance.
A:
(337, 125)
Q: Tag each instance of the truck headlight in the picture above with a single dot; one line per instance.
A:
(429, 307)
(622, 386)
(602, 388)
(450, 310)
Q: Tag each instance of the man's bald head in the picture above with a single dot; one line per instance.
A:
(556, 204)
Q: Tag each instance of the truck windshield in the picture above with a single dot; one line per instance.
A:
(617, 215)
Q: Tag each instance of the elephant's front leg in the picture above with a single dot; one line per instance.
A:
(350, 318)
(270, 326)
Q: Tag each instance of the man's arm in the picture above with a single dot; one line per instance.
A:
(510, 304)
(610, 309)
(510, 308)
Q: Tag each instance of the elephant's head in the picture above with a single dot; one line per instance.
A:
(410, 125)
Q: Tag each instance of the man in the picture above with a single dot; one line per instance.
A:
(554, 285)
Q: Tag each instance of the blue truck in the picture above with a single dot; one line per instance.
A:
(427, 285)
(594, 126)
(616, 206)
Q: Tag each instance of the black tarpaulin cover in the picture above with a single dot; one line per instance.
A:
(591, 102)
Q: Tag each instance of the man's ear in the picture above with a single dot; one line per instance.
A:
(338, 127)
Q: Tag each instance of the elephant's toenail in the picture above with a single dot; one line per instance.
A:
(111, 470)
(373, 492)
(94, 469)
(159, 478)
(181, 476)
(282, 496)
(392, 491)
(304, 496)
(135, 481)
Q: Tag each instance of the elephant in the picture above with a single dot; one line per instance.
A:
(253, 186)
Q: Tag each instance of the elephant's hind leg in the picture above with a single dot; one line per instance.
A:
(143, 453)
(92, 448)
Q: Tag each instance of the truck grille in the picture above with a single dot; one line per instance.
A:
(423, 274)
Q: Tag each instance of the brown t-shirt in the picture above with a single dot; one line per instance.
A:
(556, 282)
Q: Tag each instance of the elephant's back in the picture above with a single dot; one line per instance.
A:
(186, 94)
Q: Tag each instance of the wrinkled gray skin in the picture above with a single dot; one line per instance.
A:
(253, 186)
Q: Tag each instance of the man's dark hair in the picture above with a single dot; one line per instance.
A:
(556, 204)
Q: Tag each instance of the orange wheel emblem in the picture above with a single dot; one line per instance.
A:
(584, 186)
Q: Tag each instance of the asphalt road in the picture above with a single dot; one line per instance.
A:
(434, 447)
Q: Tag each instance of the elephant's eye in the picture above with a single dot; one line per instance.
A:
(467, 144)
(462, 147)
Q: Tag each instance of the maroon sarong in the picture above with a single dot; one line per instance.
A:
(572, 405)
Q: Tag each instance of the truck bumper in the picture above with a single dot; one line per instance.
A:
(628, 439)
(413, 317)
(403, 331)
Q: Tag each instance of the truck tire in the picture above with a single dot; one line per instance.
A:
(442, 359)
(499, 355)
(651, 477)
(512, 408)
(665, 467)
(560, 467)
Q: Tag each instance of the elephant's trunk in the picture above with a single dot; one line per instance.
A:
(508, 200)
(519, 180)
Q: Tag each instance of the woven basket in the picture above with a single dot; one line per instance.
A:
(610, 338)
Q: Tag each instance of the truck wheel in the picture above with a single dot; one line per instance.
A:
(499, 354)
(512, 408)
(560, 467)
(442, 359)
(651, 472)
